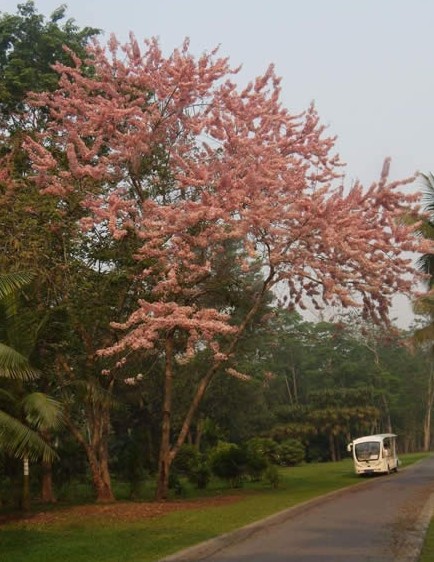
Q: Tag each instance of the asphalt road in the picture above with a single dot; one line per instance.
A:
(383, 519)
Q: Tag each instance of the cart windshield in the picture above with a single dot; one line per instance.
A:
(370, 450)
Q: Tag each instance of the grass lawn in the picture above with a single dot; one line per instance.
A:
(427, 554)
(111, 539)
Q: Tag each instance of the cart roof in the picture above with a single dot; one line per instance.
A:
(376, 437)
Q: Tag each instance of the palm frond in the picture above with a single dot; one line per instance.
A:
(7, 397)
(13, 365)
(424, 305)
(11, 282)
(428, 192)
(20, 441)
(424, 335)
(425, 263)
(42, 411)
(22, 331)
(426, 229)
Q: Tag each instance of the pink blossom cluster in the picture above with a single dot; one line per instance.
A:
(171, 150)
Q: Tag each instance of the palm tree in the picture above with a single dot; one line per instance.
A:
(25, 417)
(426, 262)
(423, 337)
(425, 304)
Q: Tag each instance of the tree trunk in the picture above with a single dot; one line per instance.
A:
(288, 390)
(428, 411)
(25, 500)
(388, 427)
(97, 454)
(332, 447)
(199, 432)
(294, 384)
(427, 431)
(165, 460)
(96, 449)
(100, 477)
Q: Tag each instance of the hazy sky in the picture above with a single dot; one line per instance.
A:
(367, 64)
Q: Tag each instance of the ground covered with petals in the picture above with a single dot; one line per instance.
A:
(117, 511)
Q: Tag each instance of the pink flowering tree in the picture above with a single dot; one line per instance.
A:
(170, 151)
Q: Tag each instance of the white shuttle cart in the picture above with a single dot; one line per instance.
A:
(375, 454)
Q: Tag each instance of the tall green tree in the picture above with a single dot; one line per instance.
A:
(38, 234)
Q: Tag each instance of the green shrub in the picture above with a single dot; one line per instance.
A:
(175, 483)
(291, 452)
(265, 446)
(201, 475)
(187, 460)
(256, 463)
(229, 462)
(271, 475)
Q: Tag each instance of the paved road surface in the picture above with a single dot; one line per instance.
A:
(382, 520)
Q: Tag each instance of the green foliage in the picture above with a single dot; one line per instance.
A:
(427, 553)
(186, 460)
(12, 282)
(229, 462)
(266, 447)
(426, 229)
(238, 408)
(29, 45)
(234, 463)
(19, 440)
(271, 475)
(256, 461)
(14, 365)
(265, 451)
(175, 483)
(200, 475)
(291, 452)
(81, 280)
(24, 414)
(193, 465)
